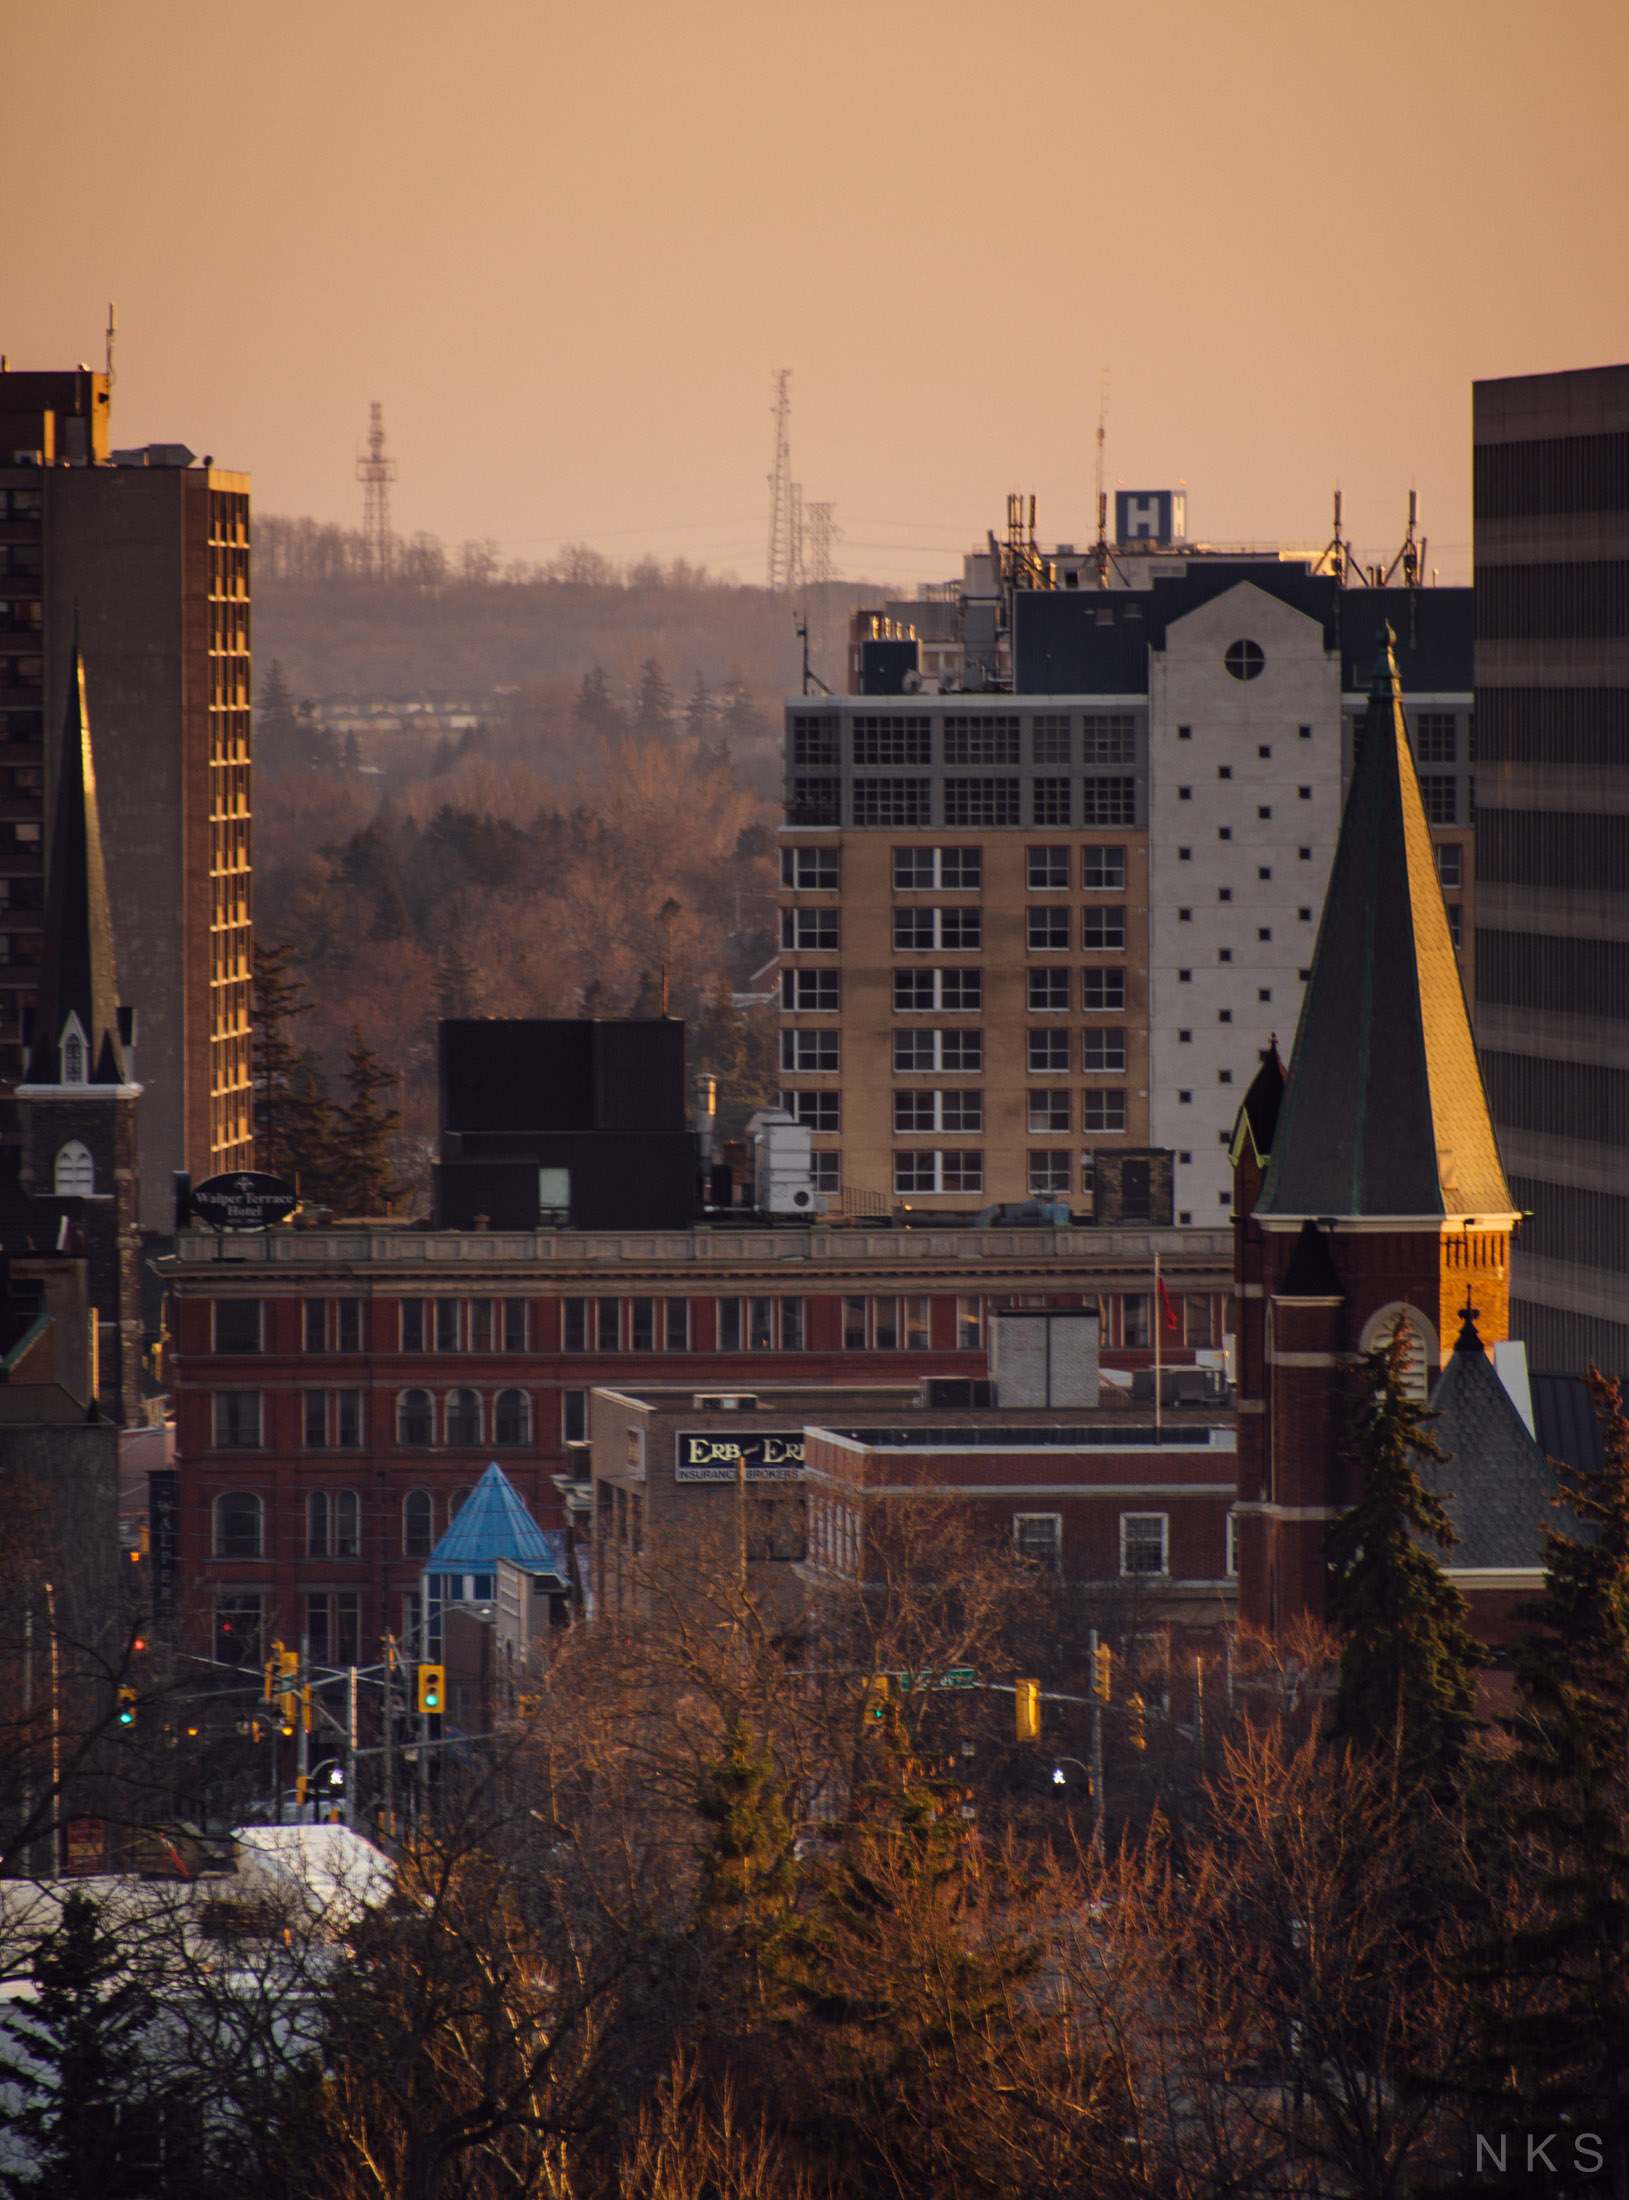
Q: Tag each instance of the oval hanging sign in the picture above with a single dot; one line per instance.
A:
(247, 1199)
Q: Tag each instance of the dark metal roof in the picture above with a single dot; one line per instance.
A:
(1311, 1273)
(1497, 1488)
(1258, 1112)
(1383, 1111)
(1095, 641)
(1564, 1420)
(76, 962)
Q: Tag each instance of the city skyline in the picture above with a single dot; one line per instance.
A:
(1290, 244)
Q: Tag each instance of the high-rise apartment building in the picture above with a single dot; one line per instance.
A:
(1552, 718)
(1026, 926)
(146, 554)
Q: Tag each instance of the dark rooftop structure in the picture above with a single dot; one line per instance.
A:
(1496, 1486)
(1383, 1112)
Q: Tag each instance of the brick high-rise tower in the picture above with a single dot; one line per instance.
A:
(1383, 1192)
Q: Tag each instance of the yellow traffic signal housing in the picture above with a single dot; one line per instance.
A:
(1026, 1710)
(1103, 1675)
(876, 1699)
(432, 1687)
(127, 1707)
(1135, 1735)
(270, 1689)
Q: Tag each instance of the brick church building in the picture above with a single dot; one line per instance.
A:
(1367, 1184)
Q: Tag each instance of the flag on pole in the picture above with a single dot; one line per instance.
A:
(1165, 1302)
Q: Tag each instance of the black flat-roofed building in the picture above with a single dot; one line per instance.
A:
(572, 1121)
(1551, 460)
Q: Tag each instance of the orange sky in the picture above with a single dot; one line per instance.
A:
(566, 246)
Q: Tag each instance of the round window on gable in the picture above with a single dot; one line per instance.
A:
(1244, 659)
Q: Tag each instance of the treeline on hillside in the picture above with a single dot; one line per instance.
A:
(469, 621)
(756, 1906)
(570, 872)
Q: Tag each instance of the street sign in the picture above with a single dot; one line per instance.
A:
(247, 1199)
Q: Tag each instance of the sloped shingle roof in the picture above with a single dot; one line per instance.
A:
(1497, 1487)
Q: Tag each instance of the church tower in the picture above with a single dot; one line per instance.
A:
(1370, 1186)
(77, 1102)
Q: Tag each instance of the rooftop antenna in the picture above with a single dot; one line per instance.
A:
(1100, 549)
(778, 575)
(1411, 557)
(376, 472)
(811, 678)
(1337, 553)
(112, 333)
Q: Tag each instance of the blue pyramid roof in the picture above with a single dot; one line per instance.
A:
(493, 1523)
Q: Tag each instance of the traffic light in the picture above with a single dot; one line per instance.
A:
(877, 1691)
(432, 1686)
(1026, 1710)
(127, 1707)
(305, 1706)
(269, 1669)
(1134, 1733)
(288, 1687)
(1103, 1672)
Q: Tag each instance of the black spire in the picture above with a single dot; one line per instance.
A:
(77, 982)
(1383, 1112)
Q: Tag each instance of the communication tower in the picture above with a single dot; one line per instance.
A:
(782, 495)
(376, 472)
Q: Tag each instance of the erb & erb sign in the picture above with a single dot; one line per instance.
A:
(246, 1200)
(709, 1456)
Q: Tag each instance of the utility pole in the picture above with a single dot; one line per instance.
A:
(390, 1736)
(56, 1731)
(350, 1752)
(1097, 1746)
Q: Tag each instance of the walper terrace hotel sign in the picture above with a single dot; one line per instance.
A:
(706, 1456)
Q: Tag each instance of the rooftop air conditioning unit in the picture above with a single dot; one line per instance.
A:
(782, 1165)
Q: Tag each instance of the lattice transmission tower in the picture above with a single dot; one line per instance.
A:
(784, 497)
(376, 472)
(820, 531)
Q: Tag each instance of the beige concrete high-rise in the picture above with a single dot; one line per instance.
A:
(148, 553)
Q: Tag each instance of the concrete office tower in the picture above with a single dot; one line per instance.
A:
(1025, 930)
(153, 550)
(1552, 795)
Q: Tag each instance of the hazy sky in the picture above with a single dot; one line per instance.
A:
(567, 245)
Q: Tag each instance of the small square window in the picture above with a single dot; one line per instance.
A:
(1224, 954)
(1224, 1077)
(1303, 975)
(1184, 855)
(1224, 893)
(1047, 870)
(1305, 794)
(1224, 1015)
(1224, 832)
(1305, 732)
(1184, 1038)
(1186, 1215)
(1143, 1543)
(1264, 931)
(1184, 977)
(1264, 993)
(1184, 794)
(1184, 733)
(1186, 1159)
(1224, 771)
(1264, 750)
(1305, 854)
(1305, 915)
(1185, 1099)
(1264, 870)
(1184, 916)
(1264, 809)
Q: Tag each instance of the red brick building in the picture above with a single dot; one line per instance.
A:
(337, 1391)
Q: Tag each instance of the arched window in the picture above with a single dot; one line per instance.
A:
(237, 1525)
(512, 1418)
(455, 1503)
(347, 1525)
(74, 1176)
(317, 1524)
(73, 1054)
(418, 1524)
(415, 1420)
(1420, 1342)
(463, 1417)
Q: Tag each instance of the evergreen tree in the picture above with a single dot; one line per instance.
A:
(654, 712)
(742, 719)
(458, 985)
(594, 709)
(747, 1873)
(276, 727)
(1554, 2032)
(1408, 1668)
(293, 1117)
(391, 920)
(699, 712)
(79, 2075)
(363, 1180)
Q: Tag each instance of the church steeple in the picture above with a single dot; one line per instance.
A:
(77, 1037)
(1384, 1115)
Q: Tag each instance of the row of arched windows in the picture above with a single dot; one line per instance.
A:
(332, 1523)
(463, 1418)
